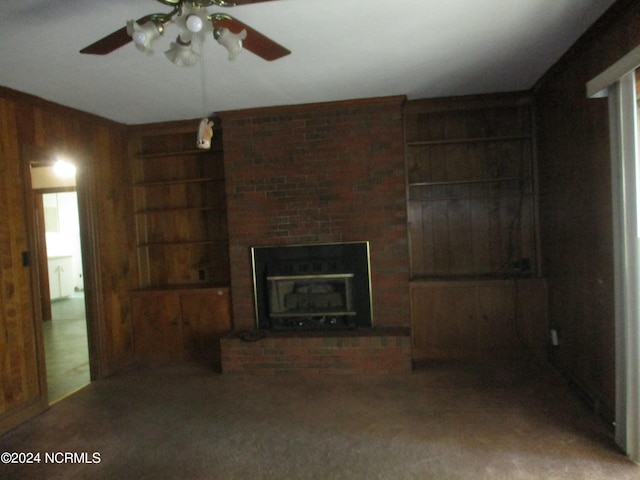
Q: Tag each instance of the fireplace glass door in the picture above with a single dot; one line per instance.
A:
(312, 287)
(311, 301)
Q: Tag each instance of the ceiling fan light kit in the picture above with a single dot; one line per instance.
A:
(194, 22)
(144, 35)
(181, 53)
(231, 41)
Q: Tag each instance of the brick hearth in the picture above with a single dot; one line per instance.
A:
(366, 351)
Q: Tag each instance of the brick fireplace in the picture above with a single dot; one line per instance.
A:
(314, 174)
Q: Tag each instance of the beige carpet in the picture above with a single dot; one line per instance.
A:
(449, 421)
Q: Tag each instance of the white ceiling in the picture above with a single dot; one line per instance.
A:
(342, 49)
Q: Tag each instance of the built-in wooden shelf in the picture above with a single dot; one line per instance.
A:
(468, 182)
(453, 141)
(472, 214)
(176, 153)
(179, 242)
(177, 181)
(163, 211)
(180, 210)
(471, 197)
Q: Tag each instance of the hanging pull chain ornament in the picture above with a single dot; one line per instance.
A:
(205, 134)
(205, 131)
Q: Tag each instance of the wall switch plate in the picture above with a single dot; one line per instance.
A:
(553, 333)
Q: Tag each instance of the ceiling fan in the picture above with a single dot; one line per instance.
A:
(194, 21)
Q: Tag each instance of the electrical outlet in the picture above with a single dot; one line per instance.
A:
(202, 274)
(522, 265)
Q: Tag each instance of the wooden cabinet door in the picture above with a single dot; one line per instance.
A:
(496, 318)
(157, 325)
(478, 319)
(444, 319)
(206, 316)
(533, 322)
(173, 325)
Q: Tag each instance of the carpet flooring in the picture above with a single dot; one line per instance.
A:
(496, 420)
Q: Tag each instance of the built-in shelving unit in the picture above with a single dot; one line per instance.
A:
(471, 207)
(470, 182)
(180, 212)
(182, 305)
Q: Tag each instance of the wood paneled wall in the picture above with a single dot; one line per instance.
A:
(575, 202)
(19, 381)
(28, 124)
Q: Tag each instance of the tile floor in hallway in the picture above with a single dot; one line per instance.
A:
(66, 347)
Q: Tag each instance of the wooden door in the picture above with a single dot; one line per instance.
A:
(444, 319)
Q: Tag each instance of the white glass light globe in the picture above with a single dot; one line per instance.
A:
(139, 37)
(194, 23)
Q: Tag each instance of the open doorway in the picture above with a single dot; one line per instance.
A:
(64, 327)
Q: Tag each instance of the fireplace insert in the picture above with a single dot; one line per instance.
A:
(312, 287)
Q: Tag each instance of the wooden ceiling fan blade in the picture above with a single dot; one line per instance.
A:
(256, 42)
(111, 42)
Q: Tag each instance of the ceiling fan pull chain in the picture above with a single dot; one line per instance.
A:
(203, 83)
